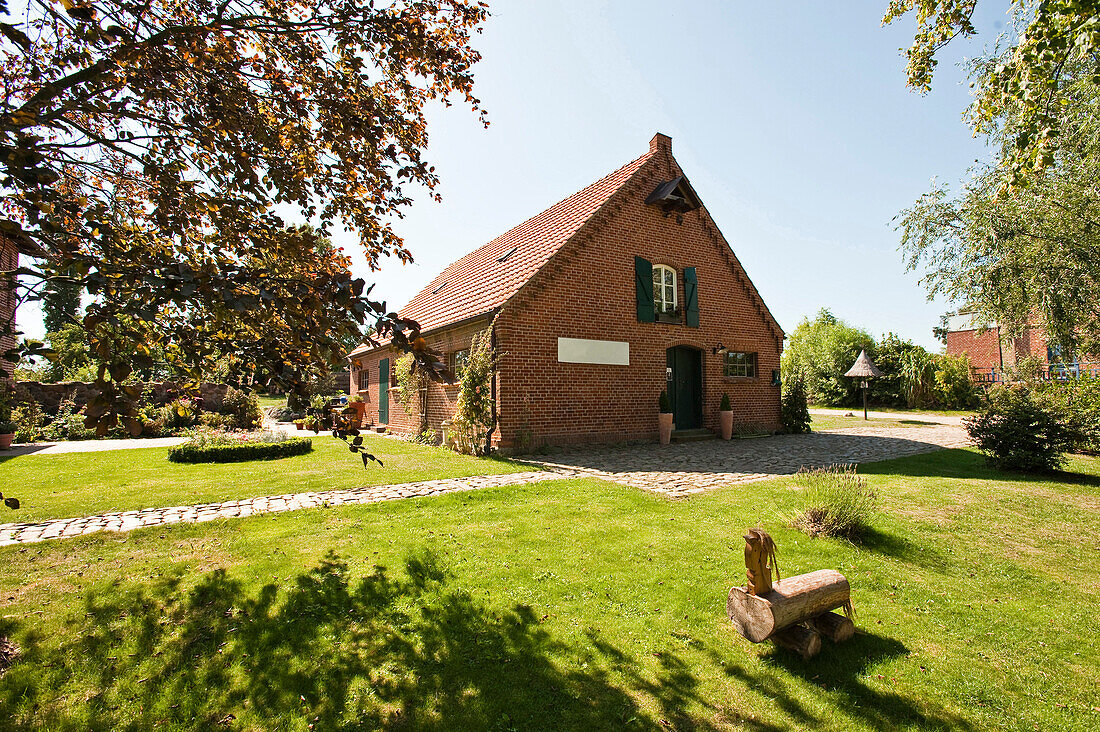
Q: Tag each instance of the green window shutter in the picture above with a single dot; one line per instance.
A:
(691, 297)
(643, 286)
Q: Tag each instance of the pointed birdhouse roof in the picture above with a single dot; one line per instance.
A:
(864, 367)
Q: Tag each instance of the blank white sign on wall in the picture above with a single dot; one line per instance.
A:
(583, 350)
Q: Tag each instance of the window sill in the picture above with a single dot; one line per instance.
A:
(669, 319)
(741, 379)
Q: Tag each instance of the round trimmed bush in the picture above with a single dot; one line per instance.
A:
(205, 451)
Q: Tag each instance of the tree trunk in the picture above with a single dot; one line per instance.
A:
(792, 600)
(836, 628)
(805, 640)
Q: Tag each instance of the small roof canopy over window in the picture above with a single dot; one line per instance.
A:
(674, 196)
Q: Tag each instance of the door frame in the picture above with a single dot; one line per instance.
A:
(670, 384)
(384, 391)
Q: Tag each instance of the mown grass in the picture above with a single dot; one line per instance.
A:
(569, 605)
(898, 410)
(76, 484)
(269, 400)
(820, 422)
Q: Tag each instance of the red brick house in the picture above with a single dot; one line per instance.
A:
(991, 352)
(597, 304)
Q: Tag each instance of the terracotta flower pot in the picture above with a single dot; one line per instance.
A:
(664, 426)
(5, 441)
(299, 425)
(725, 419)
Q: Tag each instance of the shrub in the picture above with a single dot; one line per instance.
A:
(235, 448)
(725, 406)
(663, 403)
(179, 414)
(953, 388)
(841, 502)
(794, 414)
(1076, 402)
(68, 424)
(28, 421)
(1017, 431)
(243, 408)
(216, 421)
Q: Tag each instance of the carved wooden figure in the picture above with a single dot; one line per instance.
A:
(794, 612)
(760, 562)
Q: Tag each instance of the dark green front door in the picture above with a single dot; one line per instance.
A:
(384, 391)
(685, 386)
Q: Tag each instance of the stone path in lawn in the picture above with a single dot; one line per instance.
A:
(680, 470)
(130, 520)
(674, 471)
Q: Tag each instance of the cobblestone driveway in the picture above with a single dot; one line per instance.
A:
(683, 469)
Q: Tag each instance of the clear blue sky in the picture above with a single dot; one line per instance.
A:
(792, 120)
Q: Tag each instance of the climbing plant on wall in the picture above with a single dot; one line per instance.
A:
(475, 412)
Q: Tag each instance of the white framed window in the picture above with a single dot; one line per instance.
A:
(741, 365)
(665, 301)
(458, 362)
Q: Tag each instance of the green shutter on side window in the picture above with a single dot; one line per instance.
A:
(643, 287)
(691, 297)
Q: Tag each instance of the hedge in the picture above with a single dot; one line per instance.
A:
(243, 452)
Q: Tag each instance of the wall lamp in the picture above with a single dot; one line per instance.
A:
(719, 349)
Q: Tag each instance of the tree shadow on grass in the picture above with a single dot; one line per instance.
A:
(386, 652)
(842, 668)
(967, 464)
(901, 548)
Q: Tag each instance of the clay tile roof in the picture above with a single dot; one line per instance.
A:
(479, 282)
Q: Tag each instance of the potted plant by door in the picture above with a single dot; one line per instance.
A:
(664, 419)
(725, 417)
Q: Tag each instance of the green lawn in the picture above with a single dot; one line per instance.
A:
(270, 401)
(938, 412)
(574, 605)
(57, 486)
(819, 422)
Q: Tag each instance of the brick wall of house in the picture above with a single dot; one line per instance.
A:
(981, 347)
(588, 291)
(441, 398)
(9, 260)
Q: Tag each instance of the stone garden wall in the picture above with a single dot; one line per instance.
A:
(49, 396)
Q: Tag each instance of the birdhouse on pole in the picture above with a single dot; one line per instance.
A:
(864, 368)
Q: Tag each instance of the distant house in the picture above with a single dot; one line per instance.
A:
(599, 303)
(993, 353)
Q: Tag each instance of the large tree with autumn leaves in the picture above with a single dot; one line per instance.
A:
(150, 149)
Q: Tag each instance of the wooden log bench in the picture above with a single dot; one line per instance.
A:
(795, 613)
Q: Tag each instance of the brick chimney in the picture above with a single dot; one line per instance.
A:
(660, 142)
